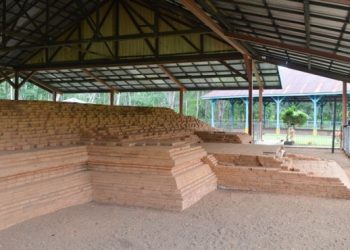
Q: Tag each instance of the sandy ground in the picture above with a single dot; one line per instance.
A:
(221, 220)
(339, 156)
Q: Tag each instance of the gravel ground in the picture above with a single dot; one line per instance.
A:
(221, 220)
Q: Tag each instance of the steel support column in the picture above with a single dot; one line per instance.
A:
(315, 101)
(345, 103)
(54, 96)
(321, 113)
(232, 112)
(261, 104)
(181, 101)
(278, 102)
(334, 122)
(213, 104)
(265, 105)
(16, 86)
(246, 104)
(111, 98)
(249, 70)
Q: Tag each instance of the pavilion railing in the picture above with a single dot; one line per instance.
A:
(325, 125)
(346, 140)
(303, 136)
(271, 124)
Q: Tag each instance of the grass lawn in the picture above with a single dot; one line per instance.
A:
(309, 140)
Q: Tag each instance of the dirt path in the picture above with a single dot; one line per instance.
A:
(222, 220)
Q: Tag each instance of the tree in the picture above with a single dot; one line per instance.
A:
(293, 117)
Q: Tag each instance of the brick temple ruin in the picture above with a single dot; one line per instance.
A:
(56, 155)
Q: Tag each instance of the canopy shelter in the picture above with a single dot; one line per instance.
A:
(204, 75)
(296, 87)
(107, 45)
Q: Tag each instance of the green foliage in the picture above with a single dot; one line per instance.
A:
(294, 117)
(31, 92)
(193, 104)
(6, 91)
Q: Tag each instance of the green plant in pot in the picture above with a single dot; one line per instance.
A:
(293, 117)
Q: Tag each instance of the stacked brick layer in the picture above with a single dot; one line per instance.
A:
(38, 182)
(124, 163)
(224, 137)
(289, 176)
(44, 160)
(42, 181)
(29, 125)
(167, 177)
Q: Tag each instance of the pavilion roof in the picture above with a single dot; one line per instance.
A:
(294, 84)
(57, 42)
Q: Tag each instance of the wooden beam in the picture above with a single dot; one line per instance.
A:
(113, 89)
(25, 79)
(289, 47)
(343, 2)
(71, 43)
(131, 61)
(261, 90)
(112, 98)
(196, 10)
(257, 74)
(307, 28)
(7, 78)
(42, 84)
(301, 67)
(248, 64)
(172, 77)
(16, 87)
(234, 70)
(181, 101)
(54, 96)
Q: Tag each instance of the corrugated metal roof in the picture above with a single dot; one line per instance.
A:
(294, 83)
(320, 25)
(206, 75)
(26, 22)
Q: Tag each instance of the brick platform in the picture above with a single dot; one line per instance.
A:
(55, 155)
(224, 137)
(37, 182)
(42, 181)
(256, 169)
(166, 177)
(29, 125)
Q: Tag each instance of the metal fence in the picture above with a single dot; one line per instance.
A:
(325, 125)
(271, 124)
(346, 140)
(303, 136)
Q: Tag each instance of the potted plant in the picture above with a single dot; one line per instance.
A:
(293, 117)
